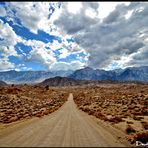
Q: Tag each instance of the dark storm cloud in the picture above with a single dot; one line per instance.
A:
(111, 39)
(73, 23)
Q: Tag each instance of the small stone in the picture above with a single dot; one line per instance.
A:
(12, 119)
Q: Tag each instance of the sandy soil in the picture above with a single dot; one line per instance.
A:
(67, 126)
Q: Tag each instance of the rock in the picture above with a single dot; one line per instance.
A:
(26, 115)
(12, 119)
(19, 115)
(2, 114)
(43, 110)
(34, 113)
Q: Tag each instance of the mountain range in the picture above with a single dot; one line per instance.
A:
(87, 73)
(128, 74)
(18, 77)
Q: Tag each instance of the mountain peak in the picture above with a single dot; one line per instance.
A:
(87, 68)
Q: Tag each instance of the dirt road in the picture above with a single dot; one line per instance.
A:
(66, 127)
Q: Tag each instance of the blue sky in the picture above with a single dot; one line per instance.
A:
(72, 35)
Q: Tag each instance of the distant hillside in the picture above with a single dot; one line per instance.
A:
(59, 81)
(2, 83)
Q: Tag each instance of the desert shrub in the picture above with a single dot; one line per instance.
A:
(13, 90)
(87, 103)
(115, 119)
(125, 110)
(47, 87)
(145, 102)
(137, 113)
(144, 111)
(129, 122)
(130, 129)
(86, 109)
(91, 112)
(145, 125)
(142, 137)
(137, 118)
(81, 107)
(39, 114)
(100, 116)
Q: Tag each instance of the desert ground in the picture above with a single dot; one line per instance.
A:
(124, 106)
(89, 115)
